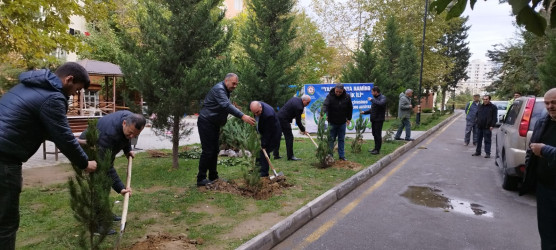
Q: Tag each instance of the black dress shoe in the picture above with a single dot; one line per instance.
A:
(204, 182)
(487, 156)
(117, 218)
(476, 154)
(294, 159)
(342, 159)
(374, 152)
(399, 139)
(277, 157)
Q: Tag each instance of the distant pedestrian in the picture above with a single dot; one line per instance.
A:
(268, 126)
(292, 109)
(212, 117)
(30, 112)
(378, 115)
(404, 112)
(511, 101)
(486, 120)
(540, 171)
(471, 118)
(338, 109)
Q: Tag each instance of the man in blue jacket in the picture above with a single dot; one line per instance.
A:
(213, 116)
(338, 109)
(292, 109)
(540, 171)
(486, 120)
(115, 133)
(268, 126)
(32, 111)
(378, 115)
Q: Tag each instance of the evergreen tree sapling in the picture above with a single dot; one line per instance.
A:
(252, 144)
(362, 70)
(360, 127)
(90, 199)
(323, 151)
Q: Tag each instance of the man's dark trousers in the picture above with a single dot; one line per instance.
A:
(487, 135)
(376, 129)
(209, 134)
(264, 163)
(288, 136)
(546, 204)
(10, 189)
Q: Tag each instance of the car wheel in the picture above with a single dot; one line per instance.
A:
(508, 182)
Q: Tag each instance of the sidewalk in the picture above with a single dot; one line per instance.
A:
(148, 140)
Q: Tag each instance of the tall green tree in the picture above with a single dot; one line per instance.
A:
(390, 51)
(547, 74)
(517, 66)
(175, 58)
(455, 48)
(407, 69)
(268, 67)
(363, 68)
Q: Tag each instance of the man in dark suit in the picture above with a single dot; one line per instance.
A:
(268, 126)
(292, 109)
(378, 114)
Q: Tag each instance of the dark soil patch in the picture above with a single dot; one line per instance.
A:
(163, 241)
(267, 189)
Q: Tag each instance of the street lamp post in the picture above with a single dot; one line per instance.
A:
(418, 117)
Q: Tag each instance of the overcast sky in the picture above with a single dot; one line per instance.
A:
(490, 23)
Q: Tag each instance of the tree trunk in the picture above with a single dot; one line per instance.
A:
(443, 98)
(175, 141)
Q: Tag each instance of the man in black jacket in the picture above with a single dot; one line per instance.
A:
(115, 133)
(378, 114)
(338, 109)
(292, 109)
(486, 120)
(540, 171)
(212, 117)
(268, 126)
(32, 111)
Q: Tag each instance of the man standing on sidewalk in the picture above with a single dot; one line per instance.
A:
(471, 119)
(338, 109)
(268, 126)
(540, 171)
(32, 111)
(212, 117)
(404, 112)
(292, 109)
(378, 114)
(486, 120)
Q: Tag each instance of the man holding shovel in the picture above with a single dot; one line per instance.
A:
(115, 133)
(268, 126)
(292, 109)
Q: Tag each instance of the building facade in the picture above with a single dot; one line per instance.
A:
(477, 71)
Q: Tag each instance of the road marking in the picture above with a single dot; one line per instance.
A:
(349, 207)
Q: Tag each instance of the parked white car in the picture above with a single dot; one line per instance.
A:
(501, 106)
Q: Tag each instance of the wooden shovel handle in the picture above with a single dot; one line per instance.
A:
(126, 195)
(308, 135)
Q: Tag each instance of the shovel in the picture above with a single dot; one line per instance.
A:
(274, 170)
(308, 135)
(126, 201)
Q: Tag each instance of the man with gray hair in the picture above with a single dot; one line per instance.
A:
(404, 112)
(213, 116)
(292, 109)
(470, 120)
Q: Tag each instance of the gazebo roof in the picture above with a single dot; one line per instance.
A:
(100, 68)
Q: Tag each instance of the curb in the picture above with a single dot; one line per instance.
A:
(284, 228)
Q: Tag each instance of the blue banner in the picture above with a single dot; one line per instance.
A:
(359, 93)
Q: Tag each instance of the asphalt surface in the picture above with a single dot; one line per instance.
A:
(434, 196)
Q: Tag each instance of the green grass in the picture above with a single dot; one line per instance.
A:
(167, 200)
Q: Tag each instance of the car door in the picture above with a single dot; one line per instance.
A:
(508, 128)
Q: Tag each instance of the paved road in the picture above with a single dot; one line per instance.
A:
(436, 196)
(147, 140)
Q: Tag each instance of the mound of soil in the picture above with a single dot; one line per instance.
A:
(157, 153)
(267, 189)
(163, 241)
(347, 165)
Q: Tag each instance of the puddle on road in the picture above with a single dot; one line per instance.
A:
(431, 197)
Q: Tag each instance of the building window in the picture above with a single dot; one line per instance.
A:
(238, 4)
